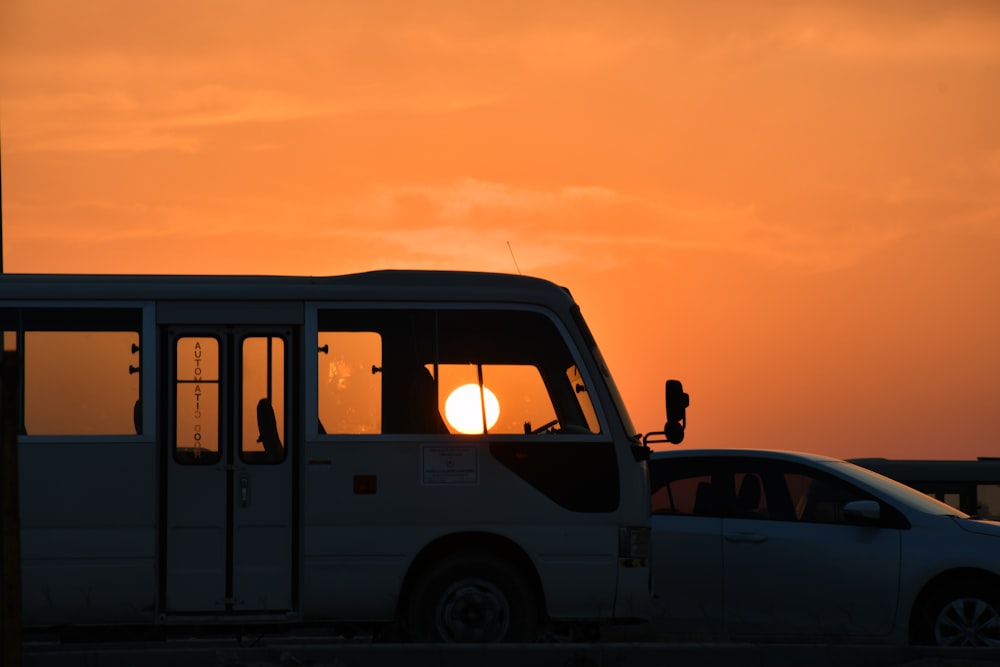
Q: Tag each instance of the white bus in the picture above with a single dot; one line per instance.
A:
(441, 453)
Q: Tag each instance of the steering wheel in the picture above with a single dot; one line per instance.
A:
(545, 427)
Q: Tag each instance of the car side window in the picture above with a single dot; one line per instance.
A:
(684, 488)
(822, 499)
(760, 491)
(750, 500)
(780, 491)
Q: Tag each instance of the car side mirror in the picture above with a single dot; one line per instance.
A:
(863, 510)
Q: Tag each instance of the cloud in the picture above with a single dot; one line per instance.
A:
(593, 223)
(633, 128)
(465, 198)
(129, 117)
(161, 81)
(473, 223)
(872, 33)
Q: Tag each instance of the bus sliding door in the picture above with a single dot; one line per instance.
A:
(228, 534)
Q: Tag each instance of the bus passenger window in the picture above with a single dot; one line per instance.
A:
(448, 372)
(263, 403)
(81, 382)
(511, 400)
(196, 436)
(350, 382)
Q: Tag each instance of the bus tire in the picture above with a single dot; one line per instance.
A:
(472, 597)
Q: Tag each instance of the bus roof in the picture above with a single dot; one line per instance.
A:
(385, 285)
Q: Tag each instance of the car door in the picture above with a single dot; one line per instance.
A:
(795, 566)
(686, 548)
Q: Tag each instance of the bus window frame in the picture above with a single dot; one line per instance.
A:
(146, 360)
(310, 331)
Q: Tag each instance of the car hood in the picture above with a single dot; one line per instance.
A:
(980, 526)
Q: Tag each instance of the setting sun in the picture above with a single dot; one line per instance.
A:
(465, 407)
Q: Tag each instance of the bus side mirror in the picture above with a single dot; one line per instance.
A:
(677, 402)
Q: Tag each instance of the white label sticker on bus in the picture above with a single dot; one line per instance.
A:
(452, 464)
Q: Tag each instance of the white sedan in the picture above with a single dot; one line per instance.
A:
(786, 546)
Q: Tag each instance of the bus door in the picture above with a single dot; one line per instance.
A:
(228, 535)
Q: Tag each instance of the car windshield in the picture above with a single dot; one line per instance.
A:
(896, 490)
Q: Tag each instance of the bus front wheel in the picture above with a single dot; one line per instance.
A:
(472, 597)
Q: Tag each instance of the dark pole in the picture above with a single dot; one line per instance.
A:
(10, 535)
(10, 524)
(1, 217)
(1, 211)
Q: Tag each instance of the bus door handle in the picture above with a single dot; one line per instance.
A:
(244, 491)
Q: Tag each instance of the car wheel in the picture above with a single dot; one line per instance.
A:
(472, 597)
(963, 615)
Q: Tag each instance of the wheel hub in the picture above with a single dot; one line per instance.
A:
(968, 622)
(473, 611)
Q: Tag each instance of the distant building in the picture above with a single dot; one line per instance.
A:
(971, 486)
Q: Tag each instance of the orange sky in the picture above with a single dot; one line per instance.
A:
(793, 207)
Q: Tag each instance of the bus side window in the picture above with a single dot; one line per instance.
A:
(511, 399)
(499, 371)
(350, 382)
(81, 382)
(263, 399)
(509, 372)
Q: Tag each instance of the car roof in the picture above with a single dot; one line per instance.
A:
(744, 452)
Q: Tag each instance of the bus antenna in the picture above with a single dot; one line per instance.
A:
(514, 258)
